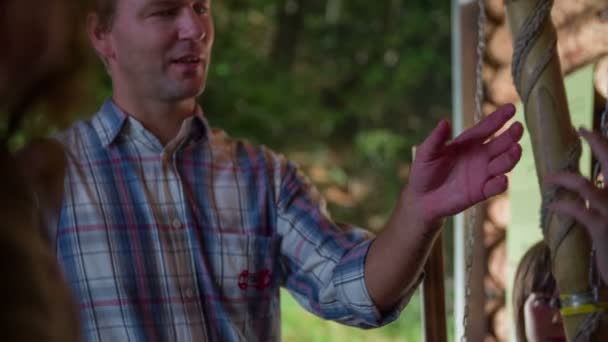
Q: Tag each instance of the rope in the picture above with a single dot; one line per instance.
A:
(481, 48)
(551, 194)
(471, 220)
(589, 326)
(524, 42)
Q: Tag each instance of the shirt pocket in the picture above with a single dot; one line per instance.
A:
(246, 269)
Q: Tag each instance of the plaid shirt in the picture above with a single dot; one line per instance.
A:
(193, 240)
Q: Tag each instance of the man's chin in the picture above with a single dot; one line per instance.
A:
(187, 91)
(194, 86)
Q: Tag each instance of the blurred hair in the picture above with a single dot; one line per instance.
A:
(42, 88)
(105, 10)
(41, 65)
(533, 275)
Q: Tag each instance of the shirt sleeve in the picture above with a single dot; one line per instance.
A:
(323, 261)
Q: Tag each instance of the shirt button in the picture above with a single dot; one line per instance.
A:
(177, 224)
(189, 293)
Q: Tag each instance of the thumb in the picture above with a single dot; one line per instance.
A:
(435, 141)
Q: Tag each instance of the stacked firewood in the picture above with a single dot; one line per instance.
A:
(495, 279)
(582, 33)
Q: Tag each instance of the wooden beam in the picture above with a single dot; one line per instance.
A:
(464, 88)
(433, 295)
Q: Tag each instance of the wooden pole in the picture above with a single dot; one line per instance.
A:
(433, 295)
(467, 278)
(555, 145)
(433, 291)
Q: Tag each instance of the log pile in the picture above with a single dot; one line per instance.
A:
(495, 280)
(582, 31)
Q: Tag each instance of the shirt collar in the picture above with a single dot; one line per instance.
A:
(111, 120)
(199, 126)
(108, 122)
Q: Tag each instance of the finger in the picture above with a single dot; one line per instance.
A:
(583, 188)
(435, 141)
(488, 126)
(577, 210)
(506, 140)
(599, 146)
(505, 162)
(495, 186)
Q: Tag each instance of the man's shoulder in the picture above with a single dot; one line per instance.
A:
(83, 140)
(225, 146)
(77, 130)
(94, 132)
(77, 136)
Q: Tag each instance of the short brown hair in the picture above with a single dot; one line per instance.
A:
(533, 275)
(105, 10)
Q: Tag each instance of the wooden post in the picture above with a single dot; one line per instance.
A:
(433, 291)
(464, 60)
(555, 144)
(433, 295)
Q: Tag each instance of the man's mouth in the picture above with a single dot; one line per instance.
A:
(188, 60)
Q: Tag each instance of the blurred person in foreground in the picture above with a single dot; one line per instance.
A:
(38, 59)
(536, 299)
(171, 230)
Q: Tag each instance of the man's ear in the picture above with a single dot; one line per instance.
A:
(100, 38)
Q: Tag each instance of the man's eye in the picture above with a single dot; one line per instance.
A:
(200, 9)
(171, 12)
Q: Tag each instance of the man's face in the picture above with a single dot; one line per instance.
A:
(160, 48)
(543, 322)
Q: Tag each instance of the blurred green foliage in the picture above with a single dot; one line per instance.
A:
(300, 325)
(349, 83)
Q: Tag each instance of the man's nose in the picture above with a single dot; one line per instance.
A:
(192, 26)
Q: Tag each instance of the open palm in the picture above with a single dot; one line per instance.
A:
(450, 176)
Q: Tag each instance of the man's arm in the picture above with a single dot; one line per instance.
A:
(447, 177)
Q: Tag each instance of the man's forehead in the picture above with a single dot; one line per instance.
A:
(168, 2)
(139, 5)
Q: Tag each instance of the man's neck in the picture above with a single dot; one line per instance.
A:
(163, 119)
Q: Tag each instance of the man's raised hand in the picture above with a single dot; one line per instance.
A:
(450, 176)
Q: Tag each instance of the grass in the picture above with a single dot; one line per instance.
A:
(300, 325)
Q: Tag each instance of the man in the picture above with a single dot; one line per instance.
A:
(170, 230)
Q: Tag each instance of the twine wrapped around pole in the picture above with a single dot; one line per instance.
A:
(556, 146)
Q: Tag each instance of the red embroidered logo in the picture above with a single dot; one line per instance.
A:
(259, 281)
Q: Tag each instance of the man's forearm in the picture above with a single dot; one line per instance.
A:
(395, 259)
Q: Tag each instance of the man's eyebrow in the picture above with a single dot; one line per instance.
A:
(160, 3)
